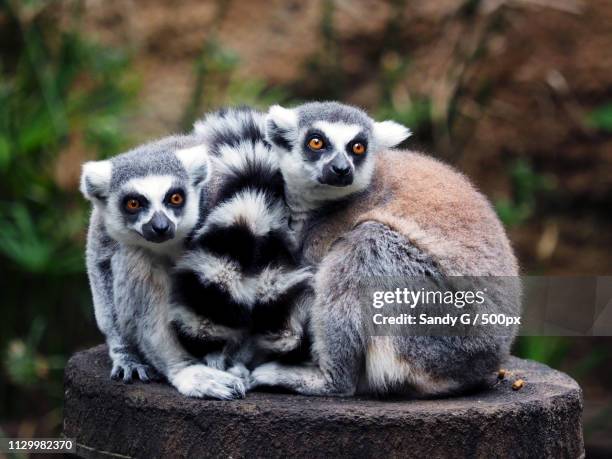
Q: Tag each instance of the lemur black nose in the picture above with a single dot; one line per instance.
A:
(160, 224)
(341, 170)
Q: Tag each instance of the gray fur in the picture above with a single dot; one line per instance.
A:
(151, 158)
(435, 365)
(129, 275)
(346, 358)
(142, 301)
(334, 112)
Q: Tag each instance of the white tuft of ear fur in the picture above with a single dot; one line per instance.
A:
(389, 134)
(284, 118)
(281, 126)
(196, 161)
(95, 179)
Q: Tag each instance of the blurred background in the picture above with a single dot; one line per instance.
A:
(515, 93)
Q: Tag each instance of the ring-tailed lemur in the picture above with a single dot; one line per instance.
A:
(235, 288)
(145, 204)
(397, 214)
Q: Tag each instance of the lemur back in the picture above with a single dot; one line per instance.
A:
(240, 279)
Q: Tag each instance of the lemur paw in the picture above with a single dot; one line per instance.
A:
(267, 374)
(203, 381)
(126, 367)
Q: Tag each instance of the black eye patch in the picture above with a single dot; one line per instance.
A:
(313, 154)
(175, 200)
(362, 139)
(131, 204)
(172, 193)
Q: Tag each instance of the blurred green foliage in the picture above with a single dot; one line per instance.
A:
(25, 365)
(62, 99)
(601, 118)
(213, 69)
(217, 83)
(551, 350)
(526, 186)
(323, 78)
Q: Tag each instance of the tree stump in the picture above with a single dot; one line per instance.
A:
(113, 419)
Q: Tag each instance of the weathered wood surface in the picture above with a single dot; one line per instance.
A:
(111, 419)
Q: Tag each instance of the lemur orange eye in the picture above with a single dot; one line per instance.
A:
(176, 199)
(359, 148)
(315, 143)
(132, 205)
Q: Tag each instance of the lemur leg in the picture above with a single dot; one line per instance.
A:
(336, 329)
(341, 344)
(126, 362)
(143, 292)
(273, 283)
(290, 337)
(100, 256)
(188, 376)
(345, 353)
(337, 349)
(202, 329)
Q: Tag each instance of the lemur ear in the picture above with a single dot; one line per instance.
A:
(95, 180)
(389, 134)
(281, 127)
(196, 161)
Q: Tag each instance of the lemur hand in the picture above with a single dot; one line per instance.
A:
(281, 342)
(127, 364)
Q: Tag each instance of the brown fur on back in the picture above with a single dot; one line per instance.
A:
(434, 207)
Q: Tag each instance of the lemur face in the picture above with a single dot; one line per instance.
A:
(154, 208)
(327, 148)
(335, 152)
(148, 200)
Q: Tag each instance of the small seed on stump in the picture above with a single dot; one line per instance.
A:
(518, 384)
(501, 374)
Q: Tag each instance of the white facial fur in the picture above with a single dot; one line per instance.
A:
(339, 134)
(302, 177)
(95, 186)
(154, 188)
